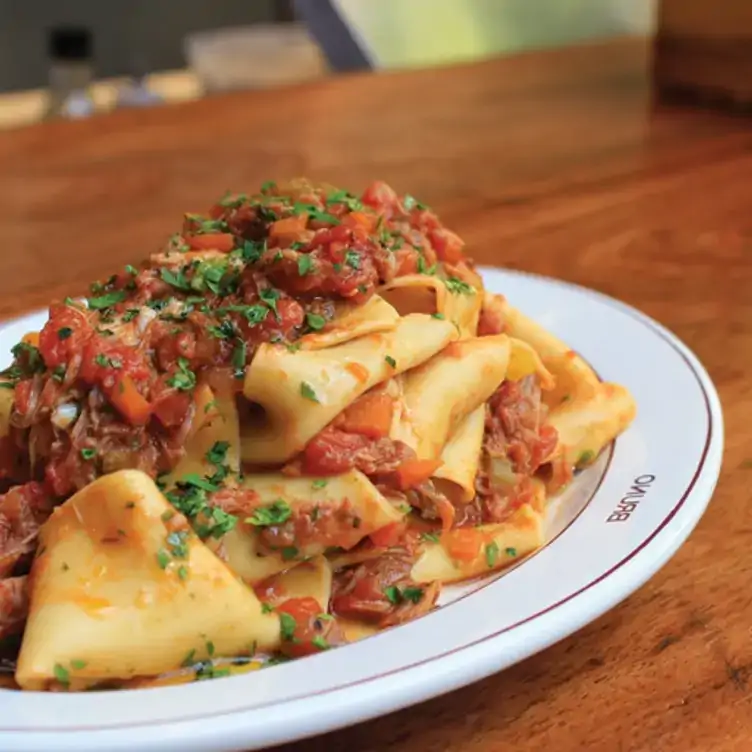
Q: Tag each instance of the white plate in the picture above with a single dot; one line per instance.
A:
(662, 470)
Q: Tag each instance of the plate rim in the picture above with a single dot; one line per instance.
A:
(708, 467)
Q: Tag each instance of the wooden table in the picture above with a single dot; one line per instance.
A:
(558, 163)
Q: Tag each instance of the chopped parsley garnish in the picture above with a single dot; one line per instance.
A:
(413, 594)
(29, 359)
(319, 642)
(238, 359)
(410, 203)
(585, 457)
(268, 185)
(178, 543)
(289, 553)
(182, 571)
(88, 454)
(459, 286)
(58, 373)
(107, 362)
(266, 608)
(189, 659)
(346, 198)
(275, 513)
(270, 296)
(78, 664)
(175, 279)
(252, 251)
(212, 276)
(438, 316)
(305, 264)
(207, 670)
(315, 321)
(61, 673)
(510, 551)
(106, 301)
(315, 214)
(390, 361)
(195, 480)
(130, 269)
(217, 455)
(352, 259)
(253, 314)
(183, 379)
(225, 330)
(430, 537)
(306, 391)
(392, 594)
(163, 558)
(64, 332)
(423, 269)
(287, 626)
(492, 554)
(202, 225)
(319, 483)
(210, 648)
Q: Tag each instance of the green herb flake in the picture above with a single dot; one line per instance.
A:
(319, 642)
(238, 360)
(439, 316)
(61, 674)
(189, 659)
(163, 558)
(510, 551)
(183, 379)
(305, 264)
(492, 554)
(175, 279)
(268, 185)
(307, 392)
(88, 453)
(430, 537)
(390, 361)
(217, 455)
(210, 648)
(587, 456)
(64, 332)
(413, 594)
(266, 608)
(315, 322)
(275, 513)
(77, 664)
(393, 595)
(289, 553)
(58, 373)
(352, 259)
(319, 483)
(130, 314)
(106, 301)
(287, 627)
(458, 286)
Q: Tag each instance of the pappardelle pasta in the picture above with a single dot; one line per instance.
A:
(285, 431)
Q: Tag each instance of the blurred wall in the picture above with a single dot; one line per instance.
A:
(405, 33)
(128, 34)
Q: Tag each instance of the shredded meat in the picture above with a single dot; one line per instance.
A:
(22, 511)
(374, 591)
(14, 606)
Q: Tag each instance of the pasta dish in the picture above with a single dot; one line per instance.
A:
(283, 432)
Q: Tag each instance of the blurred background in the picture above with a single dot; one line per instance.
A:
(82, 57)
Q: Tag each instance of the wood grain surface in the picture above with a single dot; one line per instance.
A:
(558, 163)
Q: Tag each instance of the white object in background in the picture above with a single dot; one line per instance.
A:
(254, 57)
(662, 470)
(135, 93)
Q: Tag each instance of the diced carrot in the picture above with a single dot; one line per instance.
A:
(371, 415)
(32, 338)
(389, 535)
(357, 218)
(413, 472)
(359, 371)
(407, 262)
(463, 544)
(211, 241)
(288, 228)
(128, 400)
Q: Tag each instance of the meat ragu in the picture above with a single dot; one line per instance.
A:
(126, 378)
